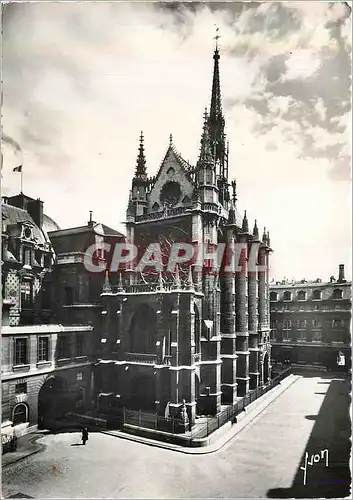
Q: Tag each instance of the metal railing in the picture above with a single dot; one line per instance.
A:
(175, 426)
(169, 212)
(133, 357)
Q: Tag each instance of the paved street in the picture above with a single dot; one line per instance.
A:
(264, 456)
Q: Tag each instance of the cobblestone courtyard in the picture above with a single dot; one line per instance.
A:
(263, 460)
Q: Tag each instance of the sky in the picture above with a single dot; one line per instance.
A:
(81, 80)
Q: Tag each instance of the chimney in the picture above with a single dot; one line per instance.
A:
(341, 278)
(35, 210)
(91, 221)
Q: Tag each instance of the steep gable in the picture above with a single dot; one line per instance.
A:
(172, 177)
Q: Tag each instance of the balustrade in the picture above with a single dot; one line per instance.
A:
(133, 357)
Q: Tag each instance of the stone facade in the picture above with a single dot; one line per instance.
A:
(48, 346)
(311, 321)
(186, 337)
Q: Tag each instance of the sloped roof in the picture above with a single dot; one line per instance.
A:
(14, 215)
(100, 229)
(49, 224)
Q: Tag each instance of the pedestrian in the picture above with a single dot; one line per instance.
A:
(84, 436)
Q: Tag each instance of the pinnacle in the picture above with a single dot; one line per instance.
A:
(141, 172)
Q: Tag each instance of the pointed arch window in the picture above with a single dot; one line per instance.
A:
(273, 296)
(155, 207)
(337, 294)
(287, 296)
(317, 295)
(209, 176)
(186, 200)
(197, 330)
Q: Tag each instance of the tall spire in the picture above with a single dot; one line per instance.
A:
(216, 103)
(216, 127)
(141, 161)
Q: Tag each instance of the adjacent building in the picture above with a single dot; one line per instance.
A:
(49, 306)
(311, 321)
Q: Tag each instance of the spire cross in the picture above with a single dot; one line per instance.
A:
(217, 37)
(170, 139)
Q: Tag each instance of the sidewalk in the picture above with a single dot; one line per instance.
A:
(26, 445)
(222, 436)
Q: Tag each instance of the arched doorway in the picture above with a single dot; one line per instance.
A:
(143, 393)
(266, 369)
(143, 330)
(52, 401)
(20, 414)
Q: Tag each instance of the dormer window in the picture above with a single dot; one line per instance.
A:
(273, 296)
(27, 232)
(287, 296)
(337, 294)
(317, 295)
(155, 207)
(301, 295)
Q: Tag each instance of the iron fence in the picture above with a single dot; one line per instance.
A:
(175, 426)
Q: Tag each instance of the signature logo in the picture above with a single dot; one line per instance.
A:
(323, 455)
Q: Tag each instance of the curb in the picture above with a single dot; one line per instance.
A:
(249, 416)
(39, 447)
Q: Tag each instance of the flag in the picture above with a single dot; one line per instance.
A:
(18, 169)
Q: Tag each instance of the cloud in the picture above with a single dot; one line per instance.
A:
(11, 142)
(89, 77)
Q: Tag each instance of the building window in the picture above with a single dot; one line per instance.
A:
(21, 352)
(26, 294)
(317, 337)
(208, 176)
(20, 414)
(27, 256)
(301, 324)
(287, 323)
(273, 296)
(79, 345)
(287, 296)
(316, 323)
(21, 388)
(64, 347)
(43, 349)
(337, 323)
(337, 294)
(79, 376)
(301, 295)
(273, 324)
(68, 296)
(286, 335)
(317, 294)
(47, 261)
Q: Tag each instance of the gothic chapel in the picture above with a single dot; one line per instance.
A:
(192, 340)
